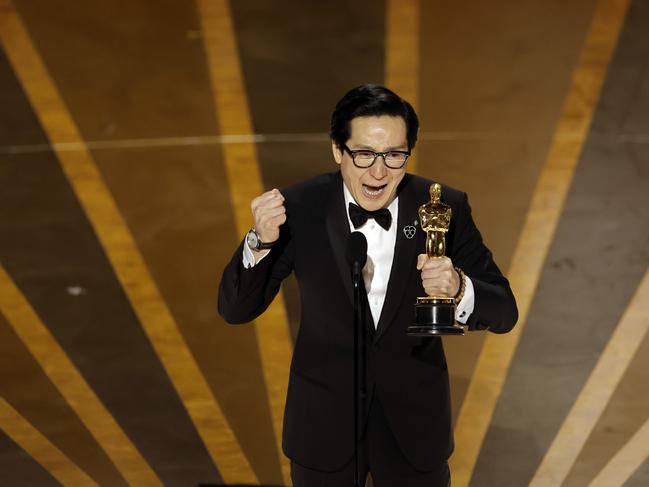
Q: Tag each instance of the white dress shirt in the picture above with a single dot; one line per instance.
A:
(380, 253)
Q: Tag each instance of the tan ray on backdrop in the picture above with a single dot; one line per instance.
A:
(538, 231)
(402, 54)
(130, 268)
(597, 391)
(72, 386)
(626, 461)
(23, 433)
(245, 182)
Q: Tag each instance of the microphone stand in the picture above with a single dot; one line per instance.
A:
(356, 257)
(359, 367)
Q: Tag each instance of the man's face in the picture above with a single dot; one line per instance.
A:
(373, 187)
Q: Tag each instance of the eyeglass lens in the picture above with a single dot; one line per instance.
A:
(393, 160)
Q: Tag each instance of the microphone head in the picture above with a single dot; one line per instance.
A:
(356, 249)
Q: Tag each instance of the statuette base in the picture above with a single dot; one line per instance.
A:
(434, 316)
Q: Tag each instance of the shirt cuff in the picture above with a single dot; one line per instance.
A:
(466, 304)
(248, 258)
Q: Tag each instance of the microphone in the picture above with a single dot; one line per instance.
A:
(356, 253)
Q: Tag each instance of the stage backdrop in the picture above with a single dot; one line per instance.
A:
(133, 135)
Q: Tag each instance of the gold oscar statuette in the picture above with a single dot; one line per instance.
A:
(435, 315)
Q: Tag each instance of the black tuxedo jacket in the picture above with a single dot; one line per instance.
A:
(409, 375)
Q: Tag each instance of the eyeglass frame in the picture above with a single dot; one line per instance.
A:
(353, 153)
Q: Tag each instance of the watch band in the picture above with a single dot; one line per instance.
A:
(263, 246)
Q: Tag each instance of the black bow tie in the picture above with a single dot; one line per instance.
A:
(359, 216)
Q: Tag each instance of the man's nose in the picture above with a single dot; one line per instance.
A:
(378, 169)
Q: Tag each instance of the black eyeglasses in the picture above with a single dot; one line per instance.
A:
(364, 158)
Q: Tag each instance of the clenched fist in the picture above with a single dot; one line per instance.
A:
(269, 213)
(438, 276)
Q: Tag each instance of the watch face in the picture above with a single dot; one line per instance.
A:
(252, 240)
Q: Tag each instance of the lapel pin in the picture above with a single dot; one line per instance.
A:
(409, 231)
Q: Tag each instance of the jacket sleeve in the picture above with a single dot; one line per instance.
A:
(244, 294)
(495, 306)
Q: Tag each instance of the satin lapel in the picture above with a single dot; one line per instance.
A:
(404, 260)
(338, 231)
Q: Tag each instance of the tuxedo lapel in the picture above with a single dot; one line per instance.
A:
(338, 231)
(404, 260)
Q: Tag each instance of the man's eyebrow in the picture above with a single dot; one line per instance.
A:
(402, 147)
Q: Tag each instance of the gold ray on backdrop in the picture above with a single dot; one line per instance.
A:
(245, 183)
(402, 54)
(72, 386)
(538, 232)
(40, 449)
(131, 270)
(597, 391)
(626, 461)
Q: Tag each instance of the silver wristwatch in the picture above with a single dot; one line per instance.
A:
(255, 243)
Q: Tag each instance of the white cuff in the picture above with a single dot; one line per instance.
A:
(248, 257)
(465, 306)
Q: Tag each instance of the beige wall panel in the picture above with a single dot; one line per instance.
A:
(492, 87)
(176, 202)
(26, 387)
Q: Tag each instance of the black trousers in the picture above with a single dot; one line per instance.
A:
(380, 455)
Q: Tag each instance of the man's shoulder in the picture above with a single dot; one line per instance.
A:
(312, 191)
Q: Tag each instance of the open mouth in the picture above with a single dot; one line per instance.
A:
(373, 192)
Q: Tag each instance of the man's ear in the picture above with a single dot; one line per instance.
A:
(338, 154)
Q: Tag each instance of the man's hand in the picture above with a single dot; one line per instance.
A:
(438, 276)
(269, 213)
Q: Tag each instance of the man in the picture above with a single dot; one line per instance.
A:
(407, 435)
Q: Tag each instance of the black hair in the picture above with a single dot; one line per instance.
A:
(371, 101)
